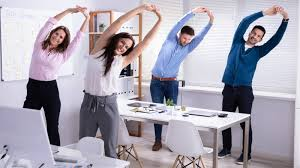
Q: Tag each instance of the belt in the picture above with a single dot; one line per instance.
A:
(163, 79)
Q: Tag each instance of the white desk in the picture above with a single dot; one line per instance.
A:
(97, 161)
(106, 162)
(210, 124)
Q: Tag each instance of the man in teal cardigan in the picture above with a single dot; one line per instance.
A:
(240, 68)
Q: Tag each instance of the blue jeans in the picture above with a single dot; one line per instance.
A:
(160, 90)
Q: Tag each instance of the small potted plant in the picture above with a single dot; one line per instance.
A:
(101, 27)
(170, 102)
(170, 105)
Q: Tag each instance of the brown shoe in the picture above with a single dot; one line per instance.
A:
(157, 146)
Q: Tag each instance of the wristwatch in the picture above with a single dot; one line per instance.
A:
(286, 20)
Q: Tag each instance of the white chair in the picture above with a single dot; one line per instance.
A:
(125, 144)
(90, 146)
(184, 139)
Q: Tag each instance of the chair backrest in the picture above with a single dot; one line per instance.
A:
(91, 146)
(123, 136)
(184, 139)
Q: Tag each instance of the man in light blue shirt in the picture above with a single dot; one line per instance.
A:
(173, 51)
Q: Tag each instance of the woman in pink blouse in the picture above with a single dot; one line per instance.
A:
(51, 49)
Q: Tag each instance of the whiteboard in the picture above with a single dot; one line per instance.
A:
(19, 28)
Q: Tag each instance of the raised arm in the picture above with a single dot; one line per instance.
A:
(76, 40)
(44, 31)
(115, 26)
(276, 38)
(176, 28)
(199, 37)
(84, 11)
(142, 45)
(59, 16)
(244, 24)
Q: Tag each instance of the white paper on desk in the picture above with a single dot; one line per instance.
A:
(143, 110)
(69, 152)
(70, 165)
(74, 154)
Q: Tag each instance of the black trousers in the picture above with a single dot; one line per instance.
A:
(45, 94)
(233, 97)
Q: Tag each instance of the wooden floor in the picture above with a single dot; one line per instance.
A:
(164, 158)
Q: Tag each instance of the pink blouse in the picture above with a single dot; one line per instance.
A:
(44, 65)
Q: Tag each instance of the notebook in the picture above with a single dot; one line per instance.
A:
(202, 113)
(138, 104)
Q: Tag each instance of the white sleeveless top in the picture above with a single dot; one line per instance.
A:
(95, 82)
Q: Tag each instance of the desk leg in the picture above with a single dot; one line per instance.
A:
(246, 140)
(215, 152)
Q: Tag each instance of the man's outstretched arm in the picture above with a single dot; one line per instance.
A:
(199, 37)
(177, 27)
(276, 38)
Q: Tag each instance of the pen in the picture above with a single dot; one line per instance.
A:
(42, 165)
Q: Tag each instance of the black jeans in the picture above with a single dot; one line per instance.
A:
(45, 94)
(233, 97)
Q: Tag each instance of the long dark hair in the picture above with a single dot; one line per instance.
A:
(108, 54)
(61, 47)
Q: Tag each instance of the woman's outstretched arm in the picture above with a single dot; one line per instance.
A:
(116, 25)
(148, 38)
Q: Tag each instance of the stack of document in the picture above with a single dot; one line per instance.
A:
(144, 109)
(65, 157)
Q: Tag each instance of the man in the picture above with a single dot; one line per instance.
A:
(173, 51)
(241, 65)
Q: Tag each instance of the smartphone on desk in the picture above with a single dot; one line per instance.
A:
(222, 115)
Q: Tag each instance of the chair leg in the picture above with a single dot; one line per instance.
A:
(137, 157)
(174, 164)
(202, 162)
(193, 163)
(124, 152)
(119, 150)
(182, 161)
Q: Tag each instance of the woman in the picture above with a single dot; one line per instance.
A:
(49, 53)
(111, 54)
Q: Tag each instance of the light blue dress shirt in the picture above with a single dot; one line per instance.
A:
(172, 53)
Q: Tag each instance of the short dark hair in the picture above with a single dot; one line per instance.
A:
(61, 47)
(260, 28)
(187, 30)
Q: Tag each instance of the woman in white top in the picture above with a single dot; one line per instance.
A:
(111, 54)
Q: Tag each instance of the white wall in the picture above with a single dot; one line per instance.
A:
(118, 5)
(14, 93)
(297, 112)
